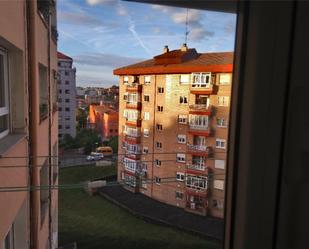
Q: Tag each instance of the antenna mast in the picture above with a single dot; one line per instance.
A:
(187, 32)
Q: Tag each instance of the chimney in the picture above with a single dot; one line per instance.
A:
(165, 49)
(184, 47)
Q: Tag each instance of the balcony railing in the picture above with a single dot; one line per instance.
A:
(200, 167)
(134, 87)
(136, 134)
(136, 122)
(199, 127)
(133, 105)
(201, 108)
(201, 148)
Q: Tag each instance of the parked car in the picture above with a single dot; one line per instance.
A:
(94, 156)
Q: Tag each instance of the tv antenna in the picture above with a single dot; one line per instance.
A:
(187, 32)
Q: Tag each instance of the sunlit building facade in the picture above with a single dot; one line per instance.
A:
(173, 128)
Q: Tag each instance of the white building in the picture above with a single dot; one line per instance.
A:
(66, 96)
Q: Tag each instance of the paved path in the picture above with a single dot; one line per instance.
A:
(154, 211)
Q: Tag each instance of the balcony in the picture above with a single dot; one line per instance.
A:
(202, 88)
(196, 203)
(134, 105)
(200, 109)
(133, 88)
(199, 149)
(134, 122)
(132, 132)
(200, 167)
(132, 140)
(196, 129)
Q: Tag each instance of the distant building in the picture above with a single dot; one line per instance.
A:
(104, 119)
(173, 123)
(66, 96)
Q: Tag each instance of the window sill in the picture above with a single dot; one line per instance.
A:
(9, 141)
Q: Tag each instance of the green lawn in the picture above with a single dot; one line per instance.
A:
(95, 223)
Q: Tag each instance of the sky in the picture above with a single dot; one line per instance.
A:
(101, 35)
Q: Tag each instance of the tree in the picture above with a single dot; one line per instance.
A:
(81, 118)
(113, 142)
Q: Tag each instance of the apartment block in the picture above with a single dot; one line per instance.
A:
(173, 128)
(28, 125)
(66, 95)
(104, 119)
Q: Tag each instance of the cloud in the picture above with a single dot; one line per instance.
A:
(109, 60)
(194, 17)
(79, 18)
(197, 34)
(101, 2)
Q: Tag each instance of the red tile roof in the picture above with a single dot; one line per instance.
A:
(206, 62)
(63, 56)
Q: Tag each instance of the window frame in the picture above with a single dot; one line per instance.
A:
(5, 111)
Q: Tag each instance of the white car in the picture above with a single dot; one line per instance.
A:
(95, 156)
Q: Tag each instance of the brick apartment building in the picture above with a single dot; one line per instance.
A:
(104, 119)
(66, 96)
(173, 128)
(28, 124)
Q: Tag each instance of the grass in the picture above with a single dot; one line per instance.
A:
(95, 223)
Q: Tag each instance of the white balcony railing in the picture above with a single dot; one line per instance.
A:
(196, 166)
(199, 127)
(197, 147)
(134, 133)
(201, 85)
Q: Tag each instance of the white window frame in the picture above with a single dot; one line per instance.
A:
(219, 184)
(181, 158)
(219, 164)
(146, 132)
(197, 182)
(157, 180)
(147, 79)
(5, 110)
(180, 176)
(222, 143)
(146, 116)
(182, 119)
(223, 100)
(225, 79)
(181, 138)
(222, 122)
(199, 80)
(180, 193)
(184, 79)
(145, 150)
(126, 79)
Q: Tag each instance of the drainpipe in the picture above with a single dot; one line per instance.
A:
(33, 123)
(153, 132)
(50, 111)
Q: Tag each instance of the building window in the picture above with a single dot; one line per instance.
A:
(110, 130)
(4, 95)
(8, 242)
(67, 82)
(59, 109)
(146, 98)
(221, 122)
(60, 91)
(131, 115)
(147, 79)
(184, 79)
(159, 127)
(157, 180)
(67, 118)
(220, 143)
(43, 92)
(219, 184)
(67, 100)
(160, 108)
(220, 164)
(181, 158)
(67, 91)
(59, 127)
(145, 150)
(223, 100)
(67, 127)
(126, 80)
(196, 182)
(180, 176)
(224, 79)
(201, 79)
(183, 100)
(218, 204)
(67, 109)
(178, 195)
(146, 132)
(160, 90)
(146, 116)
(181, 139)
(158, 145)
(158, 162)
(66, 73)
(182, 119)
